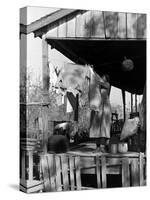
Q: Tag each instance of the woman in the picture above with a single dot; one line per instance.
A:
(101, 119)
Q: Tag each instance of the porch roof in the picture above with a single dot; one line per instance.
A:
(106, 56)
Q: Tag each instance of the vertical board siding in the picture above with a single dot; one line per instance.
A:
(72, 167)
(52, 171)
(58, 174)
(131, 25)
(45, 172)
(65, 177)
(125, 173)
(103, 172)
(71, 27)
(83, 24)
(111, 24)
(141, 166)
(121, 25)
(141, 26)
(97, 24)
(135, 173)
(77, 172)
(62, 28)
(98, 175)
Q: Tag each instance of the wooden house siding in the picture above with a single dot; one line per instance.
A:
(98, 24)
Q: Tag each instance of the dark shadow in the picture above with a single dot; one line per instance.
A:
(14, 186)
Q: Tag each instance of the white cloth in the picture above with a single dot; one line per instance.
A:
(68, 106)
(94, 91)
(59, 100)
(73, 75)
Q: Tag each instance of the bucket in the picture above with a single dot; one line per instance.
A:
(122, 147)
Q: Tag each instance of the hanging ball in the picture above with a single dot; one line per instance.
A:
(127, 65)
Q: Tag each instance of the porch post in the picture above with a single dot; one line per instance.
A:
(45, 84)
(135, 103)
(45, 69)
(131, 103)
(124, 104)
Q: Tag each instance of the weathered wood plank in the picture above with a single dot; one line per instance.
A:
(141, 26)
(44, 115)
(111, 24)
(45, 173)
(72, 167)
(98, 176)
(64, 162)
(71, 27)
(131, 25)
(135, 172)
(121, 25)
(141, 163)
(58, 174)
(83, 24)
(48, 20)
(97, 24)
(52, 171)
(62, 28)
(77, 172)
(104, 172)
(45, 67)
(125, 173)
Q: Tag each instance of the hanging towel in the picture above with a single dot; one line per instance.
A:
(73, 75)
(74, 101)
(68, 106)
(59, 100)
(94, 91)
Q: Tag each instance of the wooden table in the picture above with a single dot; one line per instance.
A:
(129, 165)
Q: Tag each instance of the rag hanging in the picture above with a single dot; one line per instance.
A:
(74, 103)
(94, 91)
(68, 106)
(73, 76)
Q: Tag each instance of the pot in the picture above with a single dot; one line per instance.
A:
(113, 148)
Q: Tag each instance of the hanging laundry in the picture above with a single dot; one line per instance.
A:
(53, 76)
(59, 99)
(73, 76)
(94, 90)
(68, 106)
(63, 99)
(74, 101)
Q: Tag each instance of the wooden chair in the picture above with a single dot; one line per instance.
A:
(61, 172)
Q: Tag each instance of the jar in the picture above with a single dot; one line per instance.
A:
(122, 147)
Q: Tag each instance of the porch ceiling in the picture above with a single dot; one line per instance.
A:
(106, 56)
